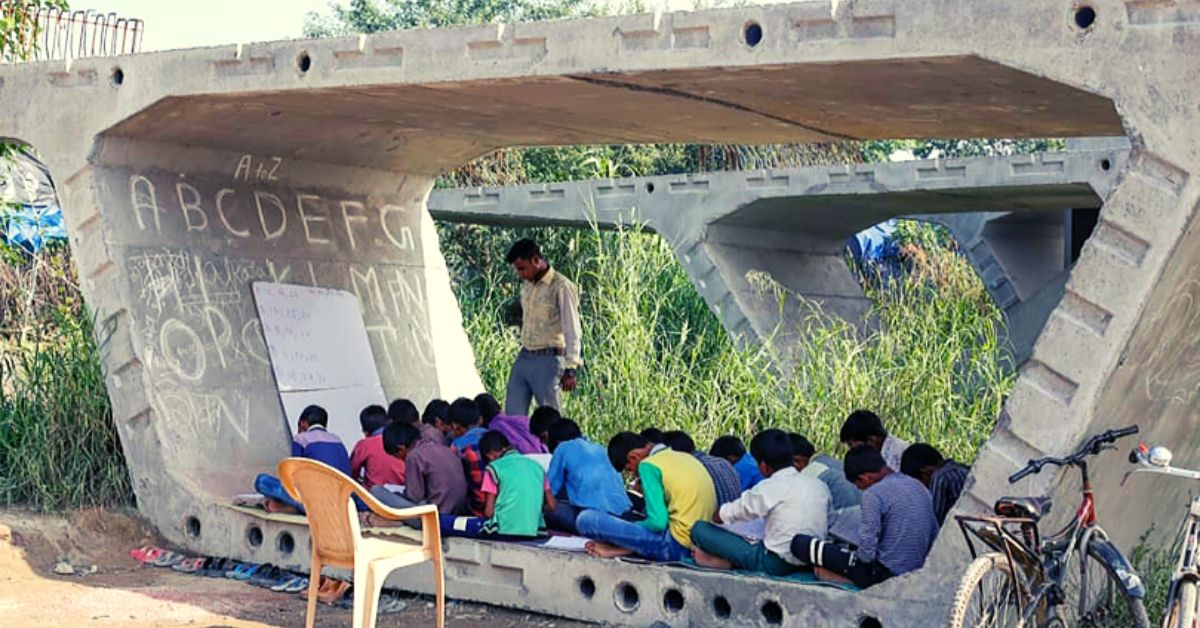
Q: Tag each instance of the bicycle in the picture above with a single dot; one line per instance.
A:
(1071, 578)
(1181, 609)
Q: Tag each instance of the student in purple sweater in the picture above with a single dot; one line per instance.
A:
(514, 428)
(898, 525)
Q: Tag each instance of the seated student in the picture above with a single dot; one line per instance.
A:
(369, 463)
(826, 468)
(435, 421)
(581, 478)
(312, 441)
(465, 424)
(678, 493)
(943, 477)
(403, 410)
(514, 428)
(652, 434)
(864, 427)
(725, 478)
(541, 420)
(897, 530)
(791, 503)
(731, 449)
(433, 474)
(515, 487)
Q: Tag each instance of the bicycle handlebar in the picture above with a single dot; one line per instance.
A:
(1092, 447)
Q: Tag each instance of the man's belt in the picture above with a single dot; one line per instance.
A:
(550, 351)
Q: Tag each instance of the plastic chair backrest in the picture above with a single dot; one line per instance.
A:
(332, 515)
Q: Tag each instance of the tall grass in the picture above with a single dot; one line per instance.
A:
(58, 445)
(657, 356)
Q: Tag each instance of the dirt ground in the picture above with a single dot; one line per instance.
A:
(111, 589)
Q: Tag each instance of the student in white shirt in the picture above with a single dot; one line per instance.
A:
(864, 427)
(790, 502)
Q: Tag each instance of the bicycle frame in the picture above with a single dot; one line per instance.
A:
(1041, 562)
(1185, 566)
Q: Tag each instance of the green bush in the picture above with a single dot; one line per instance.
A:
(58, 445)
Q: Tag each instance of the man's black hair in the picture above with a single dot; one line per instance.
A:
(434, 410)
(493, 441)
(862, 459)
(488, 407)
(541, 420)
(773, 448)
(801, 446)
(679, 440)
(464, 413)
(652, 434)
(523, 249)
(403, 410)
(372, 418)
(315, 415)
(620, 445)
(860, 425)
(562, 431)
(727, 447)
(918, 456)
(399, 434)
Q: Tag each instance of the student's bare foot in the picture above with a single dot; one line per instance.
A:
(824, 574)
(277, 507)
(372, 520)
(606, 550)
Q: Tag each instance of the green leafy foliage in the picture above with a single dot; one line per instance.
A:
(657, 356)
(371, 16)
(19, 30)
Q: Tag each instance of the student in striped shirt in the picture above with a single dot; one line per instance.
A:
(943, 477)
(896, 531)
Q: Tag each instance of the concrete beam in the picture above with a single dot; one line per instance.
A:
(792, 223)
(358, 127)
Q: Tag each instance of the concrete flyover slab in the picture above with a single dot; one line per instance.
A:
(1008, 212)
(185, 175)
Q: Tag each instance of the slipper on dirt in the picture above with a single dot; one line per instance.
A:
(244, 572)
(267, 576)
(335, 593)
(296, 586)
(323, 587)
(147, 554)
(189, 565)
(217, 568)
(287, 581)
(388, 604)
(168, 559)
(236, 568)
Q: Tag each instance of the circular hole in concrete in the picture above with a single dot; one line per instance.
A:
(587, 587)
(868, 621)
(192, 526)
(304, 62)
(1085, 17)
(721, 607)
(118, 76)
(752, 33)
(650, 187)
(285, 543)
(772, 612)
(627, 597)
(1105, 165)
(254, 536)
(673, 600)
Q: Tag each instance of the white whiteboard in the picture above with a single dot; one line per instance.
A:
(319, 353)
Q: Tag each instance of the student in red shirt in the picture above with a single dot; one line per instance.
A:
(369, 463)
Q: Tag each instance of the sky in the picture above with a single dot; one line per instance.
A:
(190, 23)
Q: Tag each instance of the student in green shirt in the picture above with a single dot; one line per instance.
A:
(515, 489)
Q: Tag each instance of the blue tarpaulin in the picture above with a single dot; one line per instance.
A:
(30, 215)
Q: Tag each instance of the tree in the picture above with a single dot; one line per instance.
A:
(19, 27)
(372, 16)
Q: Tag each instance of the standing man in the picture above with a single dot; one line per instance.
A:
(550, 332)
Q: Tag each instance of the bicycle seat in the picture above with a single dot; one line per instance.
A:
(1023, 507)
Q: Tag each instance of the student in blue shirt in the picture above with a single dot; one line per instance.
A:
(312, 441)
(731, 449)
(581, 477)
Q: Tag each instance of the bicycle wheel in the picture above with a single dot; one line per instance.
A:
(1183, 610)
(987, 596)
(1095, 597)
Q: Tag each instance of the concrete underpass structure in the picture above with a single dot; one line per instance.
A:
(185, 175)
(1012, 216)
